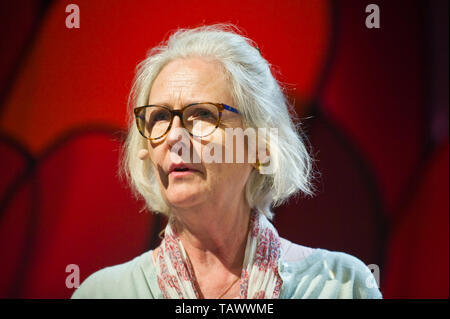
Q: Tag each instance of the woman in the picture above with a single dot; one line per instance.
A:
(188, 94)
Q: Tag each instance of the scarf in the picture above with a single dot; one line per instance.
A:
(259, 276)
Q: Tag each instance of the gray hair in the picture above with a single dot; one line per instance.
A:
(260, 100)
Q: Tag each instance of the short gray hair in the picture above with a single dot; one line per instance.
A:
(259, 98)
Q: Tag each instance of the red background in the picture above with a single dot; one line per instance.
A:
(374, 104)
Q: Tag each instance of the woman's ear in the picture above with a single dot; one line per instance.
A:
(143, 154)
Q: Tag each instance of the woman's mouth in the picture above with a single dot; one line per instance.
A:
(181, 170)
(181, 173)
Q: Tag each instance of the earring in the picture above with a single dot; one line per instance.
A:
(258, 166)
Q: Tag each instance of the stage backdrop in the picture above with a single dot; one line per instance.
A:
(373, 103)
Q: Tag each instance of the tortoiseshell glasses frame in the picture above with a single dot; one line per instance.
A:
(140, 117)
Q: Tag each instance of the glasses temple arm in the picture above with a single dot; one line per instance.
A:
(230, 108)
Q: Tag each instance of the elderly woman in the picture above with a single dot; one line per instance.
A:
(218, 242)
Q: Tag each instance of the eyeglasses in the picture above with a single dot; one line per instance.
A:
(199, 119)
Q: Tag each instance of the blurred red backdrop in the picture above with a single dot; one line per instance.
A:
(374, 104)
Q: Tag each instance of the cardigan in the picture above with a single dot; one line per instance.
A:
(305, 273)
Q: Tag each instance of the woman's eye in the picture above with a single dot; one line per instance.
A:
(203, 114)
(159, 117)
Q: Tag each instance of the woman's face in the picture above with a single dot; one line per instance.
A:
(182, 82)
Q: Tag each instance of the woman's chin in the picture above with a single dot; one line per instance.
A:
(182, 196)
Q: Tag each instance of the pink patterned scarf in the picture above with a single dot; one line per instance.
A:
(259, 276)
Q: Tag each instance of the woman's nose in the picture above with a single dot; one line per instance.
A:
(177, 131)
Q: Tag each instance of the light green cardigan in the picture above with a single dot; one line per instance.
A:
(320, 274)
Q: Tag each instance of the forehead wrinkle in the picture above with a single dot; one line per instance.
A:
(177, 89)
(169, 91)
(177, 99)
(179, 86)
